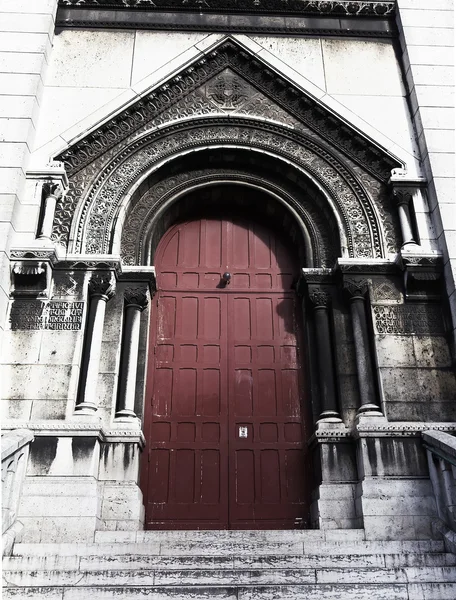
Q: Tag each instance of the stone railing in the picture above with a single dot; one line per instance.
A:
(15, 449)
(441, 454)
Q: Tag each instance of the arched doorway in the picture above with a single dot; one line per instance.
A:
(225, 419)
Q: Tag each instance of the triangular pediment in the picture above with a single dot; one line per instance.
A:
(230, 80)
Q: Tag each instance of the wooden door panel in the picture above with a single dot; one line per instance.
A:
(225, 432)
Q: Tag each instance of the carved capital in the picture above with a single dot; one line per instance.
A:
(355, 287)
(319, 297)
(102, 285)
(402, 195)
(53, 189)
(136, 296)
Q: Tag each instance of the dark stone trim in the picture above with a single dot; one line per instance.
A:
(265, 23)
(356, 8)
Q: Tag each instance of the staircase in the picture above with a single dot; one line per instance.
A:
(231, 565)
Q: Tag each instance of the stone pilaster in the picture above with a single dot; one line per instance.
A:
(136, 300)
(101, 289)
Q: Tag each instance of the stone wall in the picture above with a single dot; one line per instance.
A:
(427, 46)
(26, 36)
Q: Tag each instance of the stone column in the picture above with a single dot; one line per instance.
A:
(135, 302)
(357, 289)
(403, 198)
(101, 289)
(52, 193)
(320, 300)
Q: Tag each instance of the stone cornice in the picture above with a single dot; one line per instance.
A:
(348, 8)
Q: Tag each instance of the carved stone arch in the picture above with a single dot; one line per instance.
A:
(265, 113)
(358, 212)
(313, 225)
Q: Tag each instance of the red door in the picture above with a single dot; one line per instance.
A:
(226, 445)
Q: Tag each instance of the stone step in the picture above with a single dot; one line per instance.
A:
(55, 562)
(228, 577)
(228, 548)
(291, 535)
(352, 591)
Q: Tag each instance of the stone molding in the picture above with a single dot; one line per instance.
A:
(398, 429)
(65, 429)
(230, 54)
(371, 8)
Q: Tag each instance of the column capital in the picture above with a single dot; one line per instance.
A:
(136, 296)
(319, 297)
(54, 189)
(102, 284)
(355, 287)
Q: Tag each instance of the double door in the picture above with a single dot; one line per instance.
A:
(224, 428)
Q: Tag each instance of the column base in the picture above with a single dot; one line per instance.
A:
(85, 408)
(127, 418)
(369, 410)
(329, 416)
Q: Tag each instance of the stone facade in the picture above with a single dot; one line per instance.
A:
(346, 117)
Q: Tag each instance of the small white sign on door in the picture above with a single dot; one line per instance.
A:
(243, 431)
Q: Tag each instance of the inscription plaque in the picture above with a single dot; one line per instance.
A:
(55, 315)
(420, 319)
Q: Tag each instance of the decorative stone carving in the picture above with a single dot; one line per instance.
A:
(101, 285)
(101, 204)
(356, 287)
(230, 54)
(371, 8)
(136, 296)
(141, 214)
(319, 298)
(405, 319)
(227, 90)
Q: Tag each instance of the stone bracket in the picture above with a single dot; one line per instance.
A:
(423, 275)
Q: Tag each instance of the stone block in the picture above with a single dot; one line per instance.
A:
(63, 107)
(24, 42)
(426, 36)
(27, 23)
(430, 75)
(430, 55)
(119, 462)
(70, 528)
(51, 506)
(20, 84)
(16, 151)
(44, 410)
(33, 381)
(431, 351)
(20, 62)
(394, 350)
(429, 19)
(109, 358)
(361, 67)
(153, 49)
(422, 385)
(392, 457)
(389, 528)
(121, 502)
(110, 65)
(107, 392)
(21, 346)
(61, 347)
(16, 409)
(432, 591)
(12, 181)
(301, 54)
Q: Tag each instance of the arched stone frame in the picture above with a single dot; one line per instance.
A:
(370, 231)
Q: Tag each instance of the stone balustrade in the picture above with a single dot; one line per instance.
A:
(441, 454)
(15, 449)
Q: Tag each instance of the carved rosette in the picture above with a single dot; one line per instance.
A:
(102, 285)
(136, 297)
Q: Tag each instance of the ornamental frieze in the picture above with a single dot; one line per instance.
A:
(371, 8)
